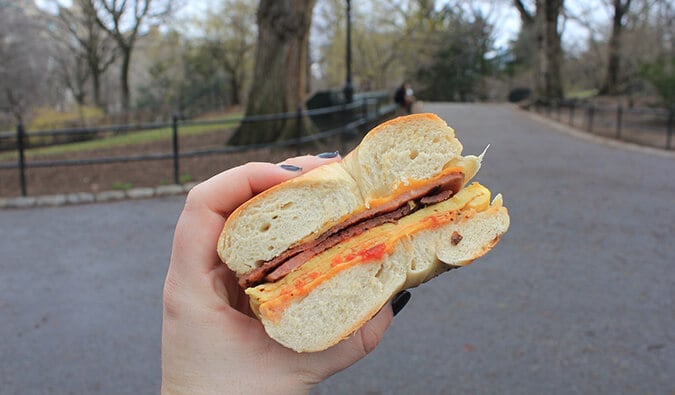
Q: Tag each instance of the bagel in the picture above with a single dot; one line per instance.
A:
(320, 254)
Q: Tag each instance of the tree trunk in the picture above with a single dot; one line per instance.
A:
(115, 20)
(279, 78)
(124, 78)
(96, 82)
(542, 28)
(234, 88)
(237, 77)
(541, 61)
(611, 83)
(553, 76)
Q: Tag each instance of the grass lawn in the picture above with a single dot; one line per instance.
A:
(131, 138)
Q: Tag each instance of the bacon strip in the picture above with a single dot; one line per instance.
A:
(284, 263)
(337, 238)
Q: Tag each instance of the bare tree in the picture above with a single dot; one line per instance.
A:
(229, 35)
(279, 77)
(388, 45)
(90, 51)
(25, 75)
(649, 38)
(611, 85)
(123, 20)
(541, 26)
(74, 73)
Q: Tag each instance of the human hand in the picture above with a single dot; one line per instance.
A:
(211, 342)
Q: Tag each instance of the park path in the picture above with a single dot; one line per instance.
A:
(577, 298)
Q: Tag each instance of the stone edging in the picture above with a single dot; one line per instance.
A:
(88, 197)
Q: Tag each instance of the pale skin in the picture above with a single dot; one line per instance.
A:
(211, 342)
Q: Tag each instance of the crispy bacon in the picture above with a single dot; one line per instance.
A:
(395, 209)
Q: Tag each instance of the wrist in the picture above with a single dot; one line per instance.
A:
(235, 388)
(240, 383)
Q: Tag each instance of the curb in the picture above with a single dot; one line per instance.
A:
(71, 199)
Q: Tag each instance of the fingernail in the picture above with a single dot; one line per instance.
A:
(399, 301)
(291, 167)
(328, 155)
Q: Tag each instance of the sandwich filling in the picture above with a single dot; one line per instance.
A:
(407, 200)
(270, 300)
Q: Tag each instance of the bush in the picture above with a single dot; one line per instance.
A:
(48, 118)
(661, 74)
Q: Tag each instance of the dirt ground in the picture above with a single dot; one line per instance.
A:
(102, 177)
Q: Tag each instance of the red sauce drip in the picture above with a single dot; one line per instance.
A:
(368, 254)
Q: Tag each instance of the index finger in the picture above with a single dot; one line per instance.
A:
(209, 203)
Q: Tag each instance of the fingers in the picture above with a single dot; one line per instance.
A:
(309, 162)
(208, 204)
(228, 190)
(368, 337)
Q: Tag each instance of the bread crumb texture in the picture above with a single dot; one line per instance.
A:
(306, 312)
(395, 153)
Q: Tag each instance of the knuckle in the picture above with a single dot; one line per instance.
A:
(369, 339)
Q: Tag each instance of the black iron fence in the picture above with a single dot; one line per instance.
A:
(353, 118)
(644, 126)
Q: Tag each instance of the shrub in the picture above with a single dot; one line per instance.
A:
(48, 118)
(661, 74)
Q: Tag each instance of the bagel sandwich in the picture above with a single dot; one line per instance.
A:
(320, 254)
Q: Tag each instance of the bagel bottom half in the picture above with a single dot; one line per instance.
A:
(333, 294)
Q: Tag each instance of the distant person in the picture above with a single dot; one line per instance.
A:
(404, 97)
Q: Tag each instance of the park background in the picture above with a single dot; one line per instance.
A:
(109, 70)
(82, 62)
(577, 298)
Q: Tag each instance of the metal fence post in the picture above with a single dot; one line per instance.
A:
(342, 133)
(669, 138)
(365, 109)
(298, 118)
(572, 113)
(591, 111)
(22, 160)
(557, 107)
(619, 114)
(176, 165)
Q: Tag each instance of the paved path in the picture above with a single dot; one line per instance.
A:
(577, 298)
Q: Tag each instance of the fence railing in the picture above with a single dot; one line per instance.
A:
(353, 118)
(644, 126)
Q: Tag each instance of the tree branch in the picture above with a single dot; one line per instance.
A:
(525, 16)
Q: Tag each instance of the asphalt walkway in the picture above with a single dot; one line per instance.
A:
(578, 298)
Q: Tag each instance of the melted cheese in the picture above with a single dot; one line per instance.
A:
(272, 299)
(407, 186)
